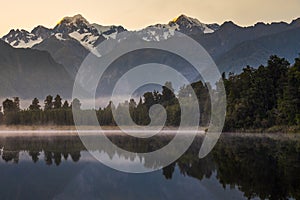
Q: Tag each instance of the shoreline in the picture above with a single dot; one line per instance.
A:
(73, 128)
(54, 130)
(50, 130)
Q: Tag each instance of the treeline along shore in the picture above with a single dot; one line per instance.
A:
(266, 99)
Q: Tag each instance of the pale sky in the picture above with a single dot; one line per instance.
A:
(137, 14)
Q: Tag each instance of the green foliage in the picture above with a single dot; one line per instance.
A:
(263, 97)
(52, 113)
(65, 105)
(35, 104)
(11, 109)
(48, 102)
(57, 102)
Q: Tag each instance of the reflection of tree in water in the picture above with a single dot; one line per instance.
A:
(65, 155)
(141, 145)
(197, 168)
(189, 164)
(10, 156)
(54, 148)
(259, 166)
(48, 157)
(75, 156)
(34, 155)
(169, 170)
(56, 157)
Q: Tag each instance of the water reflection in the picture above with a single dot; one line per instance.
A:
(52, 149)
(238, 167)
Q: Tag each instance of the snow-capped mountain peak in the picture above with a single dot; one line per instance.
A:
(42, 32)
(90, 35)
(183, 24)
(76, 23)
(185, 19)
(102, 29)
(75, 20)
(21, 38)
(189, 25)
(109, 32)
(157, 32)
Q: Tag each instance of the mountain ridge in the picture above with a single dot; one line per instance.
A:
(69, 24)
(66, 45)
(29, 72)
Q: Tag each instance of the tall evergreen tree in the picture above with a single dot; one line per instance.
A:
(168, 96)
(48, 102)
(65, 105)
(57, 102)
(35, 104)
(8, 106)
(17, 103)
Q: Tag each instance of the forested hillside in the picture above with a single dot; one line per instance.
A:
(267, 98)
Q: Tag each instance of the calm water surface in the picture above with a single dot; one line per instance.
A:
(248, 167)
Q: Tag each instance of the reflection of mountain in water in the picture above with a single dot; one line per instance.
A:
(258, 166)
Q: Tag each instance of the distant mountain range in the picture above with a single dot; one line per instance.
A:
(46, 60)
(28, 72)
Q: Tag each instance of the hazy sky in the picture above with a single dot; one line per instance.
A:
(136, 14)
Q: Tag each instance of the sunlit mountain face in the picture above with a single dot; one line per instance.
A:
(221, 41)
(89, 35)
(67, 44)
(76, 27)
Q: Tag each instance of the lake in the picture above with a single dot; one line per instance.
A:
(239, 167)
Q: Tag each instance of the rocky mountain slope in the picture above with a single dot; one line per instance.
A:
(49, 58)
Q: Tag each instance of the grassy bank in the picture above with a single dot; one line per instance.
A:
(273, 129)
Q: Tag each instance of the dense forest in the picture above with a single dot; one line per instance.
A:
(266, 98)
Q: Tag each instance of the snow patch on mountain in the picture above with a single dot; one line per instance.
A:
(21, 39)
(189, 25)
(28, 44)
(59, 36)
(90, 35)
(87, 40)
(157, 32)
(109, 32)
(183, 24)
(101, 29)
